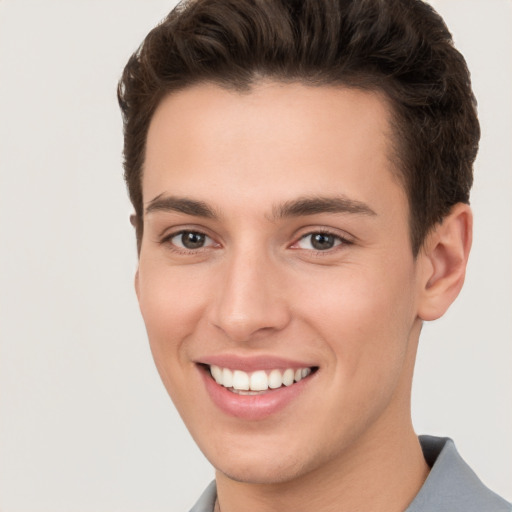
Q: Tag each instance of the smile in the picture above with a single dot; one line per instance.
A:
(258, 387)
(244, 383)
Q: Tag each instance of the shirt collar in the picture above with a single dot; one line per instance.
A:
(451, 485)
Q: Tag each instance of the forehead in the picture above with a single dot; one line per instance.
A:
(275, 141)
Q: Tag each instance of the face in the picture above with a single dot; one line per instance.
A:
(276, 277)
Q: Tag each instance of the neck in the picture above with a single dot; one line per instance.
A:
(383, 476)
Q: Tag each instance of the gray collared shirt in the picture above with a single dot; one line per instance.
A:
(451, 486)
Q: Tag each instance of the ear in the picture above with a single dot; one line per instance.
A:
(445, 256)
(136, 282)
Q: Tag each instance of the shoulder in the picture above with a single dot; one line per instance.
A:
(452, 485)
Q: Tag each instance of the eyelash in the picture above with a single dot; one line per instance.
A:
(341, 241)
(167, 240)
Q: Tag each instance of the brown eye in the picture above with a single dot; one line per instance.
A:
(319, 241)
(191, 240)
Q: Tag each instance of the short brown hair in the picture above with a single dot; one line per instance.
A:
(399, 47)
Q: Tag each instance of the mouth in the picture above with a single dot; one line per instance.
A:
(258, 387)
(257, 382)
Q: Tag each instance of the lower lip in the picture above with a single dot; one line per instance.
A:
(252, 407)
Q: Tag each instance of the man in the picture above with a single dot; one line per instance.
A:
(300, 173)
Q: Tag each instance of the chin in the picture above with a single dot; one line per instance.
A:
(254, 472)
(261, 464)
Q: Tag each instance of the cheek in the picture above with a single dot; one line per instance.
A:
(366, 323)
(366, 319)
(171, 304)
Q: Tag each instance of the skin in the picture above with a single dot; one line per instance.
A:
(259, 287)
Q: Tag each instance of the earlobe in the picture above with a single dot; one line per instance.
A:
(445, 256)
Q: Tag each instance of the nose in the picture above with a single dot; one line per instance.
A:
(250, 300)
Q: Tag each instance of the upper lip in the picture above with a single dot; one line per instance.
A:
(252, 363)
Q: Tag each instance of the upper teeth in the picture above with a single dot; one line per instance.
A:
(259, 380)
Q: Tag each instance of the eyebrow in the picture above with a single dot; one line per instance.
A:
(181, 205)
(300, 207)
(304, 206)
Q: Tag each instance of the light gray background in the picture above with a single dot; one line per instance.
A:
(85, 424)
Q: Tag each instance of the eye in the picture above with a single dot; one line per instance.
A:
(319, 241)
(190, 240)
